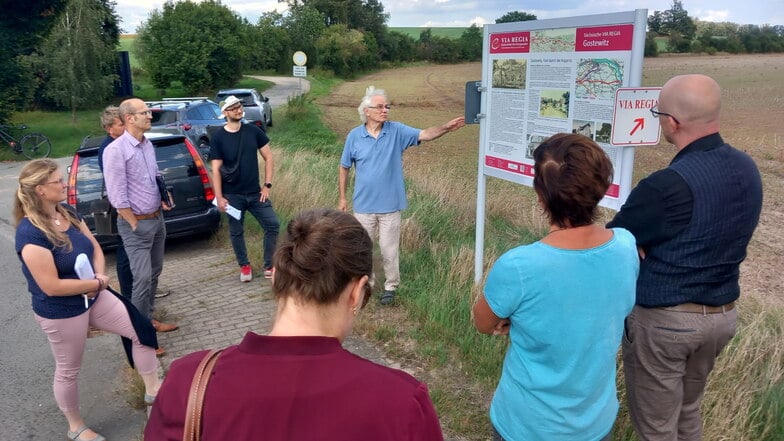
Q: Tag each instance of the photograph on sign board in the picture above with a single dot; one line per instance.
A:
(598, 78)
(584, 128)
(603, 134)
(553, 40)
(509, 73)
(554, 103)
(533, 143)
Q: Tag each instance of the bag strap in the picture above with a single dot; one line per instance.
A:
(192, 428)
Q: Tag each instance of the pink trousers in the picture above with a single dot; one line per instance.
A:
(67, 338)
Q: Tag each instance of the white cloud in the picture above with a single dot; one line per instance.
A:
(462, 13)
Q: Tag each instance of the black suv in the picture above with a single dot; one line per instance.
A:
(181, 166)
(193, 116)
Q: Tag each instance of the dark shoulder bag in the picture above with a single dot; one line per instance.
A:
(230, 175)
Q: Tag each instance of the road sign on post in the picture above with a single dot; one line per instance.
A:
(300, 71)
(633, 123)
(299, 58)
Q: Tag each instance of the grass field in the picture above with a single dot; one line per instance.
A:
(414, 32)
(430, 333)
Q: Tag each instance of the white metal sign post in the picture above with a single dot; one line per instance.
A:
(300, 69)
(633, 122)
(544, 77)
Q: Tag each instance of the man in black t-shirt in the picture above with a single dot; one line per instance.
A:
(235, 176)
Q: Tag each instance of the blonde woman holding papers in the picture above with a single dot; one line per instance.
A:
(49, 238)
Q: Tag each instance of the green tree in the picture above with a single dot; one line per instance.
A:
(21, 30)
(471, 43)
(397, 47)
(270, 43)
(78, 59)
(304, 26)
(342, 50)
(198, 44)
(514, 16)
(651, 48)
(367, 16)
(655, 22)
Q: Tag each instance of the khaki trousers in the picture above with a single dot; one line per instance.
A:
(387, 225)
(667, 357)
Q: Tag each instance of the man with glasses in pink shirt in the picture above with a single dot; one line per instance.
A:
(130, 172)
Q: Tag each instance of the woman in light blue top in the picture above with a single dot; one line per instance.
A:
(563, 301)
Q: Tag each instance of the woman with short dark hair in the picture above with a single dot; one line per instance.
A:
(297, 382)
(563, 301)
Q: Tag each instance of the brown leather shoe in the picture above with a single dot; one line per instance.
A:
(164, 327)
(160, 352)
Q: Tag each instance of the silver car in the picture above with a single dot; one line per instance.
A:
(257, 108)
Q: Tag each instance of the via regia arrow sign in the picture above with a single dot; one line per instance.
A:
(633, 124)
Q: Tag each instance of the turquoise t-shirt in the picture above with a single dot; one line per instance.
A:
(567, 309)
(379, 187)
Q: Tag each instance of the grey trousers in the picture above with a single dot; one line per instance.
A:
(667, 357)
(145, 248)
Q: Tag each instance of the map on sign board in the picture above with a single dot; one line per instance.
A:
(598, 77)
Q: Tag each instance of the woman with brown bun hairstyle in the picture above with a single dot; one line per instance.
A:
(297, 382)
(562, 301)
(49, 239)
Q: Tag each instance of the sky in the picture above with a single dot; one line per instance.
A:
(464, 13)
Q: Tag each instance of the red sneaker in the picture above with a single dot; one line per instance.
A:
(246, 273)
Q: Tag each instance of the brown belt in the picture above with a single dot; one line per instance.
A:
(152, 215)
(701, 309)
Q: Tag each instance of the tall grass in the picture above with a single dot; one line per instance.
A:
(431, 334)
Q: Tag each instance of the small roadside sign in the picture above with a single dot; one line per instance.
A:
(299, 58)
(633, 124)
(300, 71)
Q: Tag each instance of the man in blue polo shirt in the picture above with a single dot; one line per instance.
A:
(375, 149)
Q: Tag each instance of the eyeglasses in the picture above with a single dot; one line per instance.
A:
(60, 181)
(143, 112)
(381, 107)
(656, 114)
(234, 109)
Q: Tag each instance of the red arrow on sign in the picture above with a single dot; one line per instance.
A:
(640, 125)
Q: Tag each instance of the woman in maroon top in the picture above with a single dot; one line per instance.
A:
(298, 383)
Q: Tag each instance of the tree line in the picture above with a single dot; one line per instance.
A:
(686, 34)
(61, 54)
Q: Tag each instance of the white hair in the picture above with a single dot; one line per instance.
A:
(370, 92)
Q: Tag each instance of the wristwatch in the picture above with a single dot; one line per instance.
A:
(268, 184)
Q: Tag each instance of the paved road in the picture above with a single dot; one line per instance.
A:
(27, 407)
(212, 307)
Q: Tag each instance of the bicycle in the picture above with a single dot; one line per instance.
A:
(31, 145)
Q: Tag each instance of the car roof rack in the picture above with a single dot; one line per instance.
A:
(186, 98)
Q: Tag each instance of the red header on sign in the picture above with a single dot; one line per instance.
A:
(605, 38)
(510, 43)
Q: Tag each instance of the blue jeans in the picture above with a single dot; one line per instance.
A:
(266, 217)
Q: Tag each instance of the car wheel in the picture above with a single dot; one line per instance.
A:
(269, 121)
